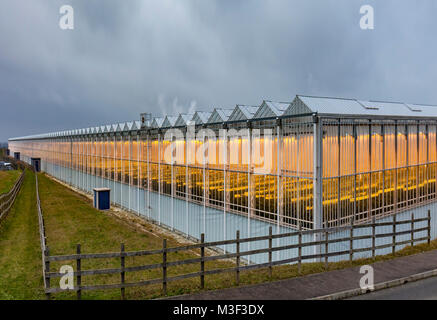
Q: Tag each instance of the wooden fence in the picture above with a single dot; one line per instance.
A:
(42, 237)
(321, 241)
(8, 199)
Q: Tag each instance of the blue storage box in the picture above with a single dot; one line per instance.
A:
(102, 198)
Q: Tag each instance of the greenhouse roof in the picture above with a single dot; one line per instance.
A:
(271, 109)
(201, 117)
(341, 106)
(243, 112)
(301, 105)
(157, 122)
(183, 119)
(220, 115)
(169, 121)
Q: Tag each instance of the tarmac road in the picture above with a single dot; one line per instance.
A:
(419, 290)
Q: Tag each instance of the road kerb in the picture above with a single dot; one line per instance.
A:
(379, 286)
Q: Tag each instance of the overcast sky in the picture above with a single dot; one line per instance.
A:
(167, 56)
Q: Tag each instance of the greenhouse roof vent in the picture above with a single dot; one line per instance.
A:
(146, 119)
(367, 105)
(413, 108)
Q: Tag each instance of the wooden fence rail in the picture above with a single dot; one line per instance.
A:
(321, 255)
(8, 199)
(43, 242)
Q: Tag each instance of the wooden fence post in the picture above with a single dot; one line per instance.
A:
(164, 266)
(237, 243)
(373, 238)
(412, 230)
(79, 277)
(393, 249)
(202, 263)
(429, 227)
(351, 241)
(326, 249)
(299, 261)
(47, 270)
(270, 252)
(122, 274)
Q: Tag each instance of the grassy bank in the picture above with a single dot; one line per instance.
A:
(7, 180)
(20, 255)
(70, 219)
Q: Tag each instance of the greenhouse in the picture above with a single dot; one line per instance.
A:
(311, 163)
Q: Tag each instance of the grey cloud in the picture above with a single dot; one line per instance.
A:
(127, 57)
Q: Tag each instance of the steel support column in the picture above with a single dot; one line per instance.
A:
(159, 178)
(249, 184)
(317, 181)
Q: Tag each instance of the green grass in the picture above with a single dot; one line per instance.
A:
(20, 255)
(70, 219)
(7, 180)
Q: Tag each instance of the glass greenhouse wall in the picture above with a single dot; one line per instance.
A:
(375, 168)
(289, 165)
(136, 159)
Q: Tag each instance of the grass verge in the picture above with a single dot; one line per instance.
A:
(70, 219)
(20, 254)
(7, 180)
